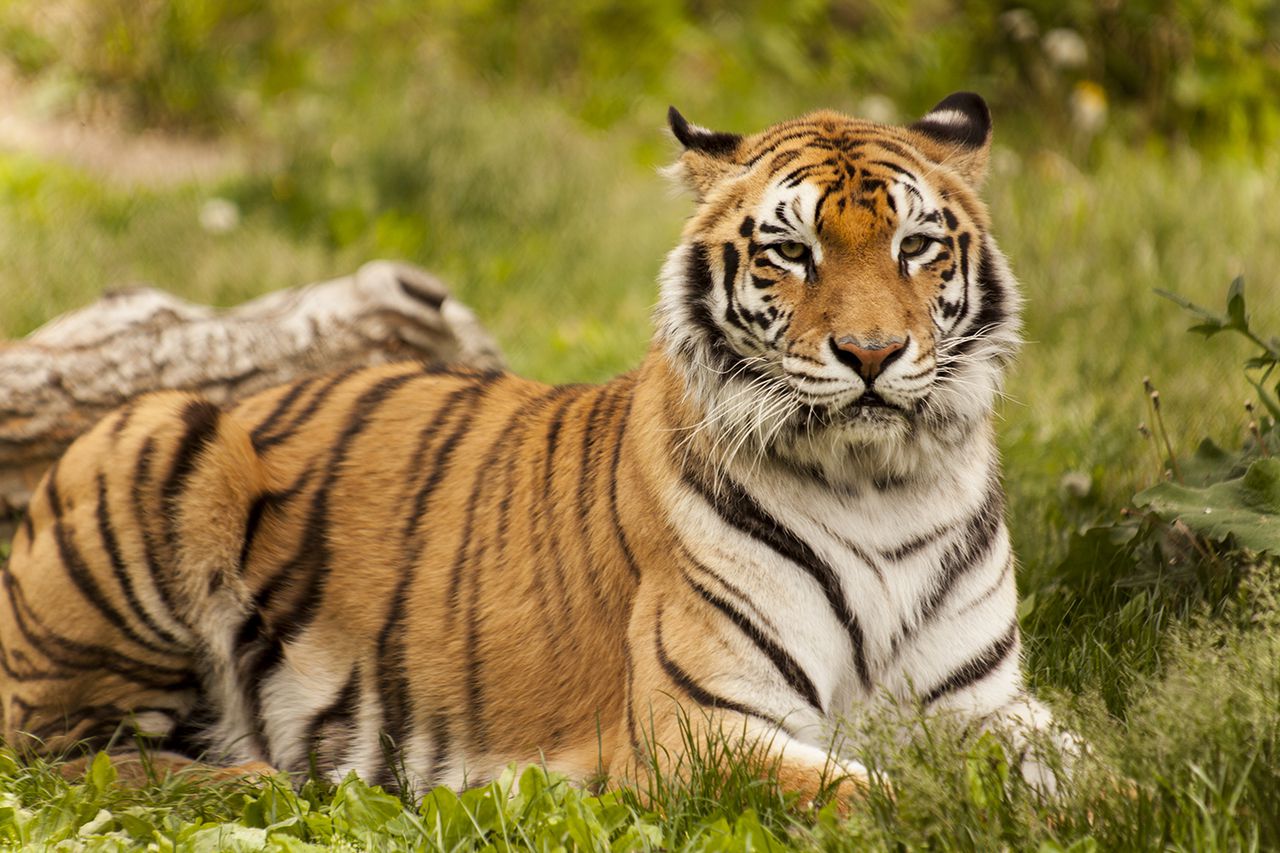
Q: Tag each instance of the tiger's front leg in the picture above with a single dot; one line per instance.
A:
(692, 684)
(965, 659)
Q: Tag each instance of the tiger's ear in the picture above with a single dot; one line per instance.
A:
(709, 156)
(957, 132)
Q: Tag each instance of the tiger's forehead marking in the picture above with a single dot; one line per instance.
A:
(861, 169)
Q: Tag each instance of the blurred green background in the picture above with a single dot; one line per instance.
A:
(223, 148)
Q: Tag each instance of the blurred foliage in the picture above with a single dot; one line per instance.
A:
(1204, 70)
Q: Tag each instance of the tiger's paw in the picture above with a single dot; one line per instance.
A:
(846, 784)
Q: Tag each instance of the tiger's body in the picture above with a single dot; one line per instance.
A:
(790, 511)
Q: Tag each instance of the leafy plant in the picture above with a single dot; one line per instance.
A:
(1184, 544)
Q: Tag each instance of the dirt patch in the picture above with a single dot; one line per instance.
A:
(106, 149)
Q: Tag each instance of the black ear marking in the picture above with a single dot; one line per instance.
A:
(694, 138)
(958, 119)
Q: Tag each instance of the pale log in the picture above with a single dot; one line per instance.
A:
(58, 381)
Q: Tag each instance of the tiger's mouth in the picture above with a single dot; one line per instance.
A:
(869, 409)
(871, 400)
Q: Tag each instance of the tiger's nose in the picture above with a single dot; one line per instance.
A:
(868, 361)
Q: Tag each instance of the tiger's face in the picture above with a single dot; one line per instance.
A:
(836, 291)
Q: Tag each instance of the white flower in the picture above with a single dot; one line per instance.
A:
(878, 108)
(1088, 106)
(1020, 24)
(1065, 48)
(219, 216)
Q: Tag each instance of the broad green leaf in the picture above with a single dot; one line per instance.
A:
(986, 772)
(1246, 509)
(102, 773)
(1235, 304)
(289, 844)
(137, 823)
(362, 808)
(1211, 464)
(103, 822)
(227, 838)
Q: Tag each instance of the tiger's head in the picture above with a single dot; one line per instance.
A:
(837, 300)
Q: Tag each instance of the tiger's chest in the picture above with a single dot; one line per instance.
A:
(845, 578)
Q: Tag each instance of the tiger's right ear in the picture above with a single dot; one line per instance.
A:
(957, 132)
(709, 156)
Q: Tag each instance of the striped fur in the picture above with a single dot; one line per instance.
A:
(473, 569)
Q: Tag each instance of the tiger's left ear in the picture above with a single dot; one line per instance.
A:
(957, 132)
(709, 155)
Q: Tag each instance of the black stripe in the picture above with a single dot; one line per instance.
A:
(740, 510)
(734, 591)
(962, 246)
(338, 712)
(200, 424)
(992, 311)
(268, 502)
(142, 512)
(911, 546)
(111, 544)
(973, 544)
(732, 314)
(393, 677)
(619, 533)
(587, 476)
(629, 697)
(282, 405)
(260, 643)
(103, 722)
(420, 294)
(51, 495)
(893, 167)
(124, 416)
(310, 567)
(698, 288)
(695, 691)
(86, 656)
(299, 420)
(788, 667)
(251, 522)
(772, 145)
(82, 577)
(30, 673)
(891, 147)
(548, 532)
(978, 667)
(474, 562)
(991, 590)
(439, 748)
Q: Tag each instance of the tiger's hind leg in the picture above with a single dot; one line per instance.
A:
(129, 549)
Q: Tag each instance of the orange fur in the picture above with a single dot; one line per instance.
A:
(484, 559)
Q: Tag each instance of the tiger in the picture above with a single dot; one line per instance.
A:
(790, 513)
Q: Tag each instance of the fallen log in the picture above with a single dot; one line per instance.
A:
(58, 381)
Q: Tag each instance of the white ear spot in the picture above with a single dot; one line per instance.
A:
(949, 117)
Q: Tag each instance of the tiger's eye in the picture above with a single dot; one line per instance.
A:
(793, 250)
(913, 245)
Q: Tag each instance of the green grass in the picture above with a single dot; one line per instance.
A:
(555, 233)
